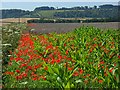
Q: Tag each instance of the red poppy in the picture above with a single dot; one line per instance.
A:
(84, 76)
(100, 81)
(58, 61)
(64, 44)
(29, 67)
(80, 71)
(119, 56)
(66, 51)
(46, 68)
(90, 50)
(102, 66)
(94, 39)
(19, 77)
(11, 58)
(105, 74)
(111, 70)
(18, 71)
(76, 73)
(88, 75)
(24, 74)
(23, 65)
(94, 45)
(112, 42)
(43, 77)
(49, 47)
(69, 68)
(106, 51)
(115, 64)
(34, 79)
(9, 73)
(53, 61)
(102, 62)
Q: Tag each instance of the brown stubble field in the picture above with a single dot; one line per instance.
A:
(11, 20)
(66, 27)
(59, 27)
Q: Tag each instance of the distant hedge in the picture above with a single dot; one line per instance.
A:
(72, 21)
(53, 21)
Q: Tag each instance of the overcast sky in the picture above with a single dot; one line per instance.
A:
(60, 0)
(32, 4)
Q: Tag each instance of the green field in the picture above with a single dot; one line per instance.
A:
(50, 13)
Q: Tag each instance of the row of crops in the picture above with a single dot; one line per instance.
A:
(84, 58)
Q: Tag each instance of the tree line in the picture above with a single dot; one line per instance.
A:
(103, 11)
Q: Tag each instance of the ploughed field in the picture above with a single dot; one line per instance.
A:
(66, 27)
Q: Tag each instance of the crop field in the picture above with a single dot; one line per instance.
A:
(86, 57)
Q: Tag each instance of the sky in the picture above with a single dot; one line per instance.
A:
(32, 4)
(60, 1)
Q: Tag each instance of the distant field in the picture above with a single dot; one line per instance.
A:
(9, 20)
(50, 13)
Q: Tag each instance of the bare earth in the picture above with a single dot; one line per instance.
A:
(59, 27)
(66, 27)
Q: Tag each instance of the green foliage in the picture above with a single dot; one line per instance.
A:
(86, 57)
(10, 35)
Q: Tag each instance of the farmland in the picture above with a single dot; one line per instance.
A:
(66, 27)
(83, 57)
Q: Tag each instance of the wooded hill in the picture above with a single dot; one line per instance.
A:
(103, 11)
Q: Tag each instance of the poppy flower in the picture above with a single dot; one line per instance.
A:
(105, 74)
(119, 56)
(18, 71)
(102, 62)
(100, 81)
(94, 39)
(111, 70)
(43, 77)
(90, 50)
(66, 52)
(58, 61)
(19, 77)
(76, 73)
(80, 71)
(34, 79)
(9, 73)
(29, 67)
(64, 44)
(46, 68)
(69, 68)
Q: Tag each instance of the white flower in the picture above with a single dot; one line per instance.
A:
(10, 30)
(6, 44)
(32, 29)
(58, 78)
(77, 81)
(9, 55)
(24, 83)
(16, 32)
